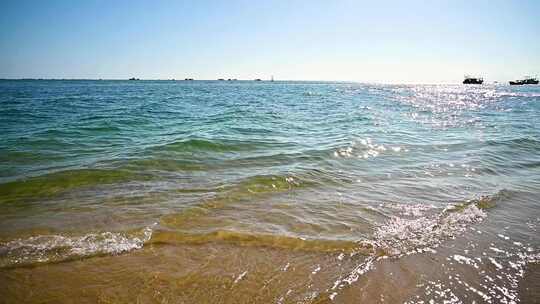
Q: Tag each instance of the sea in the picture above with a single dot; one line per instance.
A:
(117, 191)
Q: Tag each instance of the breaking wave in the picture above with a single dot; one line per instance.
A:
(58, 248)
(416, 229)
(413, 228)
(400, 235)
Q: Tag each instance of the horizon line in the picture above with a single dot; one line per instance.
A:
(235, 79)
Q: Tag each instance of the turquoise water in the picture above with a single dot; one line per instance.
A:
(115, 167)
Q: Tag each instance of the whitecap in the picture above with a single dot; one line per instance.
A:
(55, 248)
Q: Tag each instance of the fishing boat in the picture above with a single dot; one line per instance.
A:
(525, 80)
(473, 80)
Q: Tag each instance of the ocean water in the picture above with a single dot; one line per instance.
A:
(268, 192)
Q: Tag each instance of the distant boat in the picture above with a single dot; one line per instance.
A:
(526, 80)
(133, 78)
(188, 79)
(473, 80)
(258, 79)
(221, 79)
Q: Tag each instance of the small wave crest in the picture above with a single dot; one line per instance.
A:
(51, 184)
(260, 240)
(58, 248)
(212, 145)
(413, 229)
(416, 228)
(366, 148)
(402, 235)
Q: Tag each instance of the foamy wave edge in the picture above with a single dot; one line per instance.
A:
(399, 236)
(57, 248)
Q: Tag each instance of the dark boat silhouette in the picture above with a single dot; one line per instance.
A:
(473, 80)
(133, 78)
(188, 79)
(258, 79)
(526, 80)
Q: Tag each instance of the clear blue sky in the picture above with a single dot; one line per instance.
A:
(371, 41)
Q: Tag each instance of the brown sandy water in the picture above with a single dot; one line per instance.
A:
(457, 254)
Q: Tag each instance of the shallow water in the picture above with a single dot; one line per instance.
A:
(259, 192)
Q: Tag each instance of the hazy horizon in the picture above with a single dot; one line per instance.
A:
(250, 80)
(345, 41)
